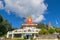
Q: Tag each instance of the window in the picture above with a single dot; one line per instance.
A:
(17, 35)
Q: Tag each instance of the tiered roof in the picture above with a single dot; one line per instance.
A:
(29, 22)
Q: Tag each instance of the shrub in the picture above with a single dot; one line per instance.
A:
(51, 30)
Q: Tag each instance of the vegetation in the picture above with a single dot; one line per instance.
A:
(43, 31)
(41, 25)
(4, 26)
(14, 39)
(57, 30)
(51, 30)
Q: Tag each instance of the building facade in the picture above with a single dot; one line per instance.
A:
(27, 30)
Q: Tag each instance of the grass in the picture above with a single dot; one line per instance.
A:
(14, 39)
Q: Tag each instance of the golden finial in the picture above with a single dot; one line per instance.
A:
(30, 18)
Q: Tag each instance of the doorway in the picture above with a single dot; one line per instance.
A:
(27, 36)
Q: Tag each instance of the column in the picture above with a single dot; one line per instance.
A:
(34, 36)
(12, 35)
(22, 36)
(7, 35)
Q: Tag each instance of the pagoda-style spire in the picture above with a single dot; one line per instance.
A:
(29, 21)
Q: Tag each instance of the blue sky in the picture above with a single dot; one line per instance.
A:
(52, 13)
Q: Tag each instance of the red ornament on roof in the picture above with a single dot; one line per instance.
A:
(29, 21)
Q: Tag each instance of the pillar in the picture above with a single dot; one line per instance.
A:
(34, 36)
(7, 35)
(22, 36)
(12, 35)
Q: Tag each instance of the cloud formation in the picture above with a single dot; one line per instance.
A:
(1, 5)
(25, 8)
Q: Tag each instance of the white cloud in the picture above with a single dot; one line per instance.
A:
(25, 8)
(56, 22)
(39, 19)
(1, 5)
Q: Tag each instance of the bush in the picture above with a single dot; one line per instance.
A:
(57, 30)
(47, 32)
(44, 31)
(51, 30)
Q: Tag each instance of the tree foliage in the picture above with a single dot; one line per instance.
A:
(57, 30)
(4, 26)
(43, 31)
(3, 30)
(51, 30)
(41, 25)
(1, 19)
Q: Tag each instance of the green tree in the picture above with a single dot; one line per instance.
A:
(4, 26)
(1, 19)
(7, 25)
(41, 25)
(57, 30)
(42, 31)
(3, 30)
(51, 30)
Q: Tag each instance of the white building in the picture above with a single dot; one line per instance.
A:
(28, 29)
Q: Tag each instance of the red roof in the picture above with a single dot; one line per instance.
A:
(29, 21)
